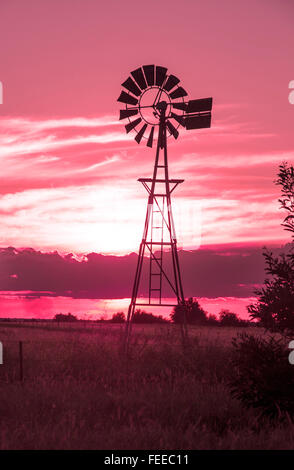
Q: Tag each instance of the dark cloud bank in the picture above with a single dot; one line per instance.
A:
(206, 273)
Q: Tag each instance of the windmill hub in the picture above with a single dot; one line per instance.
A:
(148, 103)
(162, 106)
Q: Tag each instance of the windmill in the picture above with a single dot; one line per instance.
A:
(156, 106)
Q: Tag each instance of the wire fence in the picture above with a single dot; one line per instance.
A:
(23, 359)
(12, 360)
(34, 349)
(26, 348)
(30, 349)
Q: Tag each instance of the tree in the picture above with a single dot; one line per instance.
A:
(118, 317)
(64, 317)
(212, 320)
(228, 318)
(261, 376)
(286, 181)
(275, 306)
(143, 317)
(194, 313)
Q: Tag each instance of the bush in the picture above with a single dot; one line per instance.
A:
(118, 317)
(212, 320)
(274, 309)
(194, 313)
(228, 318)
(262, 376)
(143, 317)
(63, 317)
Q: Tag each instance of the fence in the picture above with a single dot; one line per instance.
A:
(45, 343)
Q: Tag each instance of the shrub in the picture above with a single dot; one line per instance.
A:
(194, 313)
(64, 317)
(118, 317)
(262, 377)
(274, 309)
(212, 320)
(143, 317)
(228, 318)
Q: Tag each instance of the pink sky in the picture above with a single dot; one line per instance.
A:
(68, 169)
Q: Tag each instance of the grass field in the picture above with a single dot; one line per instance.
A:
(79, 392)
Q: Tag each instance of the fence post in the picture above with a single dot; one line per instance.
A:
(20, 362)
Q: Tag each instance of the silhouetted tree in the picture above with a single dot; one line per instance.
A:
(228, 318)
(286, 181)
(64, 317)
(212, 320)
(194, 313)
(275, 306)
(261, 376)
(143, 317)
(118, 317)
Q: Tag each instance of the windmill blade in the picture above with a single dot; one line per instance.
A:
(197, 106)
(125, 113)
(127, 99)
(132, 124)
(149, 74)
(131, 86)
(160, 75)
(178, 118)
(172, 81)
(178, 93)
(139, 78)
(140, 134)
(182, 106)
(172, 129)
(150, 138)
(198, 122)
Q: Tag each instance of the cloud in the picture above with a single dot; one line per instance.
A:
(46, 159)
(51, 142)
(109, 219)
(219, 272)
(108, 161)
(31, 126)
(71, 183)
(196, 160)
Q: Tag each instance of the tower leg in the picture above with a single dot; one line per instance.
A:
(132, 306)
(131, 311)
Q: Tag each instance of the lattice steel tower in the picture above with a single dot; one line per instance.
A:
(152, 97)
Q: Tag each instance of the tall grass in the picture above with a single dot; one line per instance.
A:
(80, 392)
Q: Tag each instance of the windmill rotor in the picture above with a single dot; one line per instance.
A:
(146, 90)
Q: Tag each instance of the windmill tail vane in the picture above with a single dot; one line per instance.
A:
(155, 108)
